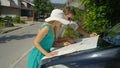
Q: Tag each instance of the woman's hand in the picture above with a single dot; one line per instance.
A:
(51, 54)
(71, 41)
(66, 43)
(93, 34)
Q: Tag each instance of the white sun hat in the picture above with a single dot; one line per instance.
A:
(57, 15)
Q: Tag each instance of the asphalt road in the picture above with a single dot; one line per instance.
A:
(15, 46)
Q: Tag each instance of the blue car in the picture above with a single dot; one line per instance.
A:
(106, 55)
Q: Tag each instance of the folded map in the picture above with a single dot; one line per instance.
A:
(86, 43)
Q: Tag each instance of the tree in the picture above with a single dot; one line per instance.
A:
(43, 7)
(99, 15)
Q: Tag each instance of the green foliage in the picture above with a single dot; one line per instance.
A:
(22, 22)
(57, 5)
(43, 7)
(95, 19)
(79, 16)
(5, 19)
(2, 23)
(1, 26)
(99, 15)
(69, 32)
(17, 19)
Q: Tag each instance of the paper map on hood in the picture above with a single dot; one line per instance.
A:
(86, 43)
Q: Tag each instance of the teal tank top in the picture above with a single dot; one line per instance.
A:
(46, 43)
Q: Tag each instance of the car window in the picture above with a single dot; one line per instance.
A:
(113, 35)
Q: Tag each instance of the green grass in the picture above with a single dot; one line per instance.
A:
(1, 26)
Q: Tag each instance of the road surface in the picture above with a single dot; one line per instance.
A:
(15, 46)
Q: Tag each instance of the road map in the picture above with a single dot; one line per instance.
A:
(84, 44)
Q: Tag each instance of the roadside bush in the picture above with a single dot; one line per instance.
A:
(22, 22)
(7, 21)
(2, 23)
(1, 26)
(69, 32)
(17, 19)
(95, 19)
(101, 15)
(2, 20)
(98, 15)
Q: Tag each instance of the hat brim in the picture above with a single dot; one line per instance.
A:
(63, 21)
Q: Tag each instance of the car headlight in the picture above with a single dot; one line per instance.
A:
(58, 66)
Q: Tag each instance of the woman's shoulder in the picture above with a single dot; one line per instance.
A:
(44, 25)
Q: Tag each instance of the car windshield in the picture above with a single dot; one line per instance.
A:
(113, 35)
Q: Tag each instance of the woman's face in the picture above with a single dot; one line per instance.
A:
(69, 16)
(58, 25)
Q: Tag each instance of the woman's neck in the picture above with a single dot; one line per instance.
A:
(53, 29)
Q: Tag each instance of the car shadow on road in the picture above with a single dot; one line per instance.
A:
(5, 39)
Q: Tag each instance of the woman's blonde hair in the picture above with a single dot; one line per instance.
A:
(55, 28)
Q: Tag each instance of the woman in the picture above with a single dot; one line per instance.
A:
(45, 39)
(69, 14)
